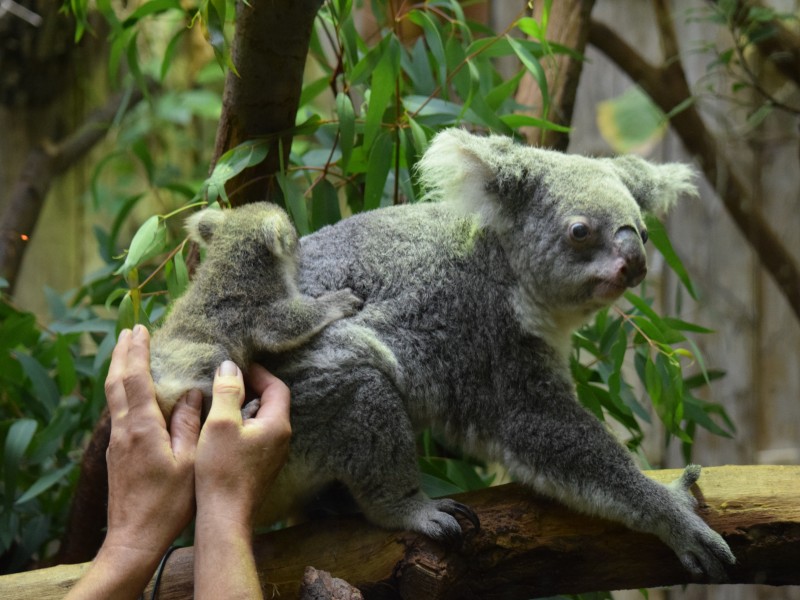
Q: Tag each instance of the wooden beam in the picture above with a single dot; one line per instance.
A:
(528, 546)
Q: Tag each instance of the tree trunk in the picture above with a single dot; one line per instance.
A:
(568, 26)
(527, 547)
(269, 52)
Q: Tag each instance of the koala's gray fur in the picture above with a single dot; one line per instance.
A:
(243, 300)
(470, 304)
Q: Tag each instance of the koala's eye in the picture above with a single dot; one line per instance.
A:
(645, 236)
(579, 231)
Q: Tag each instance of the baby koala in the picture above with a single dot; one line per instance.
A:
(243, 301)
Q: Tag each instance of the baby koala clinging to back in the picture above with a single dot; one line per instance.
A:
(244, 300)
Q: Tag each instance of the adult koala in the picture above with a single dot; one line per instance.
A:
(469, 306)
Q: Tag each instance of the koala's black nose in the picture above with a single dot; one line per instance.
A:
(632, 266)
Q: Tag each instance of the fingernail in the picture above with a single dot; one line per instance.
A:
(123, 334)
(138, 330)
(228, 368)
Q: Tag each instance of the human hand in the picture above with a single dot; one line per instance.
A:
(238, 459)
(150, 468)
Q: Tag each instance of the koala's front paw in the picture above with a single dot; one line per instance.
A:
(436, 519)
(701, 550)
(343, 303)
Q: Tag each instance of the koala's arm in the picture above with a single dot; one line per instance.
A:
(290, 323)
(559, 449)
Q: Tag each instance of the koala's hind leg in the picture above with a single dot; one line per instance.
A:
(291, 323)
(369, 447)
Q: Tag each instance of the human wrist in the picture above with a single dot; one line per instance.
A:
(118, 572)
(221, 512)
(129, 558)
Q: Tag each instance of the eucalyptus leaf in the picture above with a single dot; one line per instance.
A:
(44, 482)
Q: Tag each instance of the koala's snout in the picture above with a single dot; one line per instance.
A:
(631, 262)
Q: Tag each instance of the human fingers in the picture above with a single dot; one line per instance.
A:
(137, 379)
(115, 388)
(274, 394)
(184, 427)
(227, 393)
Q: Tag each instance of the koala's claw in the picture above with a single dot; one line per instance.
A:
(439, 523)
(250, 409)
(468, 513)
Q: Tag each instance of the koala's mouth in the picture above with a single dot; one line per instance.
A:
(608, 290)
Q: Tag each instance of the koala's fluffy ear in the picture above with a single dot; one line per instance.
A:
(655, 187)
(201, 225)
(279, 233)
(456, 166)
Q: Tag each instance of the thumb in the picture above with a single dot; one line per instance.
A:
(228, 392)
(184, 425)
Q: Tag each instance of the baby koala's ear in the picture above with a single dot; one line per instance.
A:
(201, 225)
(279, 233)
(654, 187)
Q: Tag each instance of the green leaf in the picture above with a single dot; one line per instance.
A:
(518, 120)
(658, 235)
(126, 318)
(142, 242)
(133, 63)
(18, 439)
(66, 375)
(380, 161)
(215, 32)
(177, 276)
(314, 89)
(45, 391)
(347, 128)
(150, 8)
(652, 383)
(169, 53)
(434, 40)
(535, 69)
(631, 122)
(324, 205)
(437, 487)
(44, 482)
(233, 162)
(382, 91)
(503, 92)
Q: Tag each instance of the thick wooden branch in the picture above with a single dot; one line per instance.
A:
(43, 164)
(527, 547)
(269, 52)
(669, 89)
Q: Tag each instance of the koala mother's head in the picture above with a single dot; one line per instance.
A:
(572, 227)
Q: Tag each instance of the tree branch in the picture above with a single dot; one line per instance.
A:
(669, 89)
(527, 547)
(43, 164)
